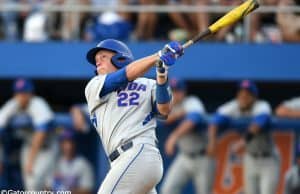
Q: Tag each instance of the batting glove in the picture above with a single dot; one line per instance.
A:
(170, 53)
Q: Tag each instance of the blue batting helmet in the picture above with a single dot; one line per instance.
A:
(177, 84)
(23, 85)
(248, 85)
(122, 57)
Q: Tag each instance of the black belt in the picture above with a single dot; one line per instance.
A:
(196, 154)
(115, 154)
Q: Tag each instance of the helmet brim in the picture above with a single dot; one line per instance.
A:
(90, 56)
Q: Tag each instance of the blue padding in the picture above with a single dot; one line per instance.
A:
(44, 126)
(220, 120)
(162, 93)
(114, 81)
(262, 120)
(195, 117)
(264, 63)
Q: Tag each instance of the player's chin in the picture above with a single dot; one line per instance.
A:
(101, 70)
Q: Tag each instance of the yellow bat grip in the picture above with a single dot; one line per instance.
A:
(234, 15)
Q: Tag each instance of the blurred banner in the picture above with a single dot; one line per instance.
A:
(203, 61)
(229, 177)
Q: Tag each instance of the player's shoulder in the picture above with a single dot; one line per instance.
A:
(38, 101)
(11, 103)
(192, 100)
(231, 104)
(262, 104)
(93, 80)
(228, 107)
(145, 80)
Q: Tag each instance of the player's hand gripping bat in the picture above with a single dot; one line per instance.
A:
(228, 19)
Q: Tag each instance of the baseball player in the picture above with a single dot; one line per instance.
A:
(261, 163)
(289, 108)
(192, 162)
(72, 172)
(292, 177)
(39, 150)
(122, 106)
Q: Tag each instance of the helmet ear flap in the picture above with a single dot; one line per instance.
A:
(119, 60)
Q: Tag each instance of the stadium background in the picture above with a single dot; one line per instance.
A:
(60, 73)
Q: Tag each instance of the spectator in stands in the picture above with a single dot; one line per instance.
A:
(190, 22)
(72, 173)
(39, 149)
(146, 22)
(109, 24)
(289, 23)
(292, 176)
(261, 162)
(13, 22)
(9, 22)
(289, 108)
(35, 24)
(263, 25)
(232, 33)
(67, 25)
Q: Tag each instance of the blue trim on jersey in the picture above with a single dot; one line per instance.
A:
(195, 117)
(262, 120)
(44, 126)
(162, 93)
(114, 81)
(115, 186)
(220, 120)
(148, 118)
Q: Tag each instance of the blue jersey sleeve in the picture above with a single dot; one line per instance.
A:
(220, 120)
(262, 120)
(44, 126)
(114, 81)
(195, 117)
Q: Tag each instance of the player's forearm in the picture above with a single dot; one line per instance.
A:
(163, 108)
(140, 67)
(212, 133)
(37, 141)
(286, 112)
(175, 116)
(184, 128)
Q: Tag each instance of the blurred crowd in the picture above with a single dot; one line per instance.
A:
(37, 26)
(39, 153)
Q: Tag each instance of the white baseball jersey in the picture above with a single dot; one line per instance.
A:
(232, 109)
(262, 142)
(293, 103)
(38, 110)
(70, 174)
(124, 114)
(192, 141)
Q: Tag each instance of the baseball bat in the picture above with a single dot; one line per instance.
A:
(231, 17)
